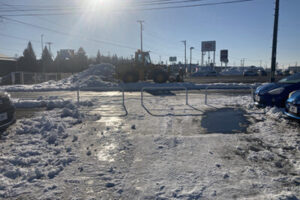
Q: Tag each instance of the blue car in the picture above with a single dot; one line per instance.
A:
(292, 106)
(276, 94)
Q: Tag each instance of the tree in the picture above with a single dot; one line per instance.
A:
(28, 61)
(47, 61)
(98, 58)
(80, 60)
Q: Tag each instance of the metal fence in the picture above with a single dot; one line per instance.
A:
(80, 95)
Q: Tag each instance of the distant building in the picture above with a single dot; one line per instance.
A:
(7, 65)
(294, 68)
(65, 54)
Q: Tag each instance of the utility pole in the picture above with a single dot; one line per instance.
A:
(274, 45)
(42, 43)
(191, 59)
(141, 23)
(184, 43)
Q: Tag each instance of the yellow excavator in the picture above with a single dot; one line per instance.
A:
(143, 70)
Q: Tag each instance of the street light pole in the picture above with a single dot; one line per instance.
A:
(274, 46)
(191, 59)
(141, 23)
(184, 42)
(42, 43)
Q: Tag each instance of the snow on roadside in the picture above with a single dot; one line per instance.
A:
(102, 76)
(33, 152)
(50, 103)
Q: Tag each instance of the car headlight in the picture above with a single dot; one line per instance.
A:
(276, 91)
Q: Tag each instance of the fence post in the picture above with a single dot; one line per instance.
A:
(13, 78)
(142, 97)
(22, 78)
(205, 101)
(123, 96)
(186, 96)
(78, 99)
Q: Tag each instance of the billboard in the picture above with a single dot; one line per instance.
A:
(173, 59)
(224, 55)
(208, 46)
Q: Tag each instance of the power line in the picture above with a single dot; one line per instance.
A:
(70, 12)
(67, 34)
(17, 9)
(18, 38)
(196, 5)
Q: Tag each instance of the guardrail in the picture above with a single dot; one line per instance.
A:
(102, 89)
(206, 89)
(165, 88)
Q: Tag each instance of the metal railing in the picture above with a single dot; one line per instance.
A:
(165, 88)
(101, 89)
(206, 91)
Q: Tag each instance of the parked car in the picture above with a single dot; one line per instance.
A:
(292, 106)
(204, 73)
(211, 73)
(250, 73)
(7, 111)
(276, 94)
(262, 72)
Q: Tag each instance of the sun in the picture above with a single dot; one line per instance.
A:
(100, 4)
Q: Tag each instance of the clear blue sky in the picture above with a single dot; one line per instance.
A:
(243, 28)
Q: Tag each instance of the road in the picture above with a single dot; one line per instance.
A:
(161, 151)
(231, 79)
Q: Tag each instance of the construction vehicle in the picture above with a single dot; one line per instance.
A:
(142, 69)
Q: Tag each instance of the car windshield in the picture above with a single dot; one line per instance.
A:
(291, 79)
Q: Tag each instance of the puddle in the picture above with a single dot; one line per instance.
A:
(160, 92)
(225, 120)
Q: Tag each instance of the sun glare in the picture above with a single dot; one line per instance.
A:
(100, 4)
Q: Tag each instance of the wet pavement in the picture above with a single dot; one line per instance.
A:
(225, 120)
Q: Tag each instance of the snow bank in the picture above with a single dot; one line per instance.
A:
(34, 153)
(101, 75)
(232, 72)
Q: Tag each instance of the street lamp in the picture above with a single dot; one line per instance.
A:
(191, 49)
(184, 43)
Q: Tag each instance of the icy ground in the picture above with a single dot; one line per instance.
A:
(159, 151)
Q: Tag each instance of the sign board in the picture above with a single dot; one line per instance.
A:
(173, 59)
(208, 46)
(224, 55)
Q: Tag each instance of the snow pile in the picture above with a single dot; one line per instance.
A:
(101, 75)
(95, 76)
(234, 71)
(50, 103)
(33, 153)
(275, 112)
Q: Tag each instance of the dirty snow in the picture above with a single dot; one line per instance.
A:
(102, 77)
(158, 151)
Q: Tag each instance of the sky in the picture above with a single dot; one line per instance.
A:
(111, 26)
